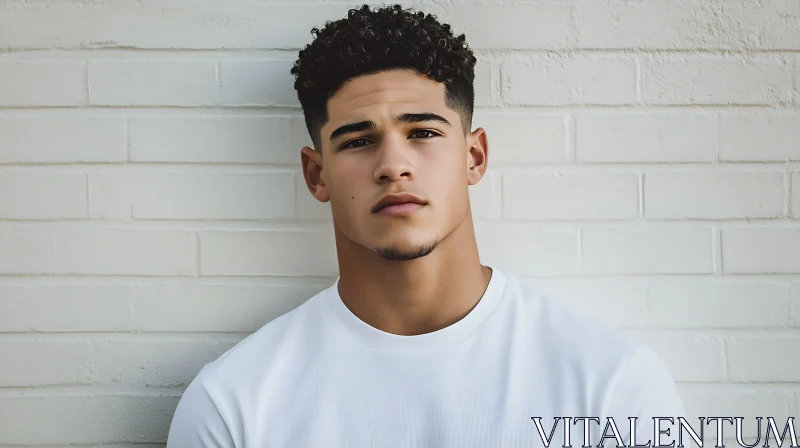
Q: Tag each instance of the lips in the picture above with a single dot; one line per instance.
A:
(397, 198)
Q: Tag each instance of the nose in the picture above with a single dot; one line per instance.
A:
(393, 161)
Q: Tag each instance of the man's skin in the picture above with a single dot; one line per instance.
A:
(414, 273)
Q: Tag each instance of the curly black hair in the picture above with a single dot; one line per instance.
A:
(388, 38)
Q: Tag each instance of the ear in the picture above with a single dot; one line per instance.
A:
(478, 155)
(313, 174)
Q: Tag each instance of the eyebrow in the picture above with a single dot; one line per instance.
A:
(425, 116)
(403, 118)
(352, 127)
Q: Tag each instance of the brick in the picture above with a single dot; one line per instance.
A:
(620, 302)
(42, 195)
(216, 308)
(85, 419)
(155, 362)
(194, 195)
(714, 194)
(796, 80)
(689, 25)
(794, 306)
(716, 304)
(688, 356)
(42, 83)
(527, 250)
(97, 251)
(306, 205)
(760, 250)
(27, 362)
(131, 252)
(763, 359)
(62, 139)
(569, 80)
(485, 198)
(486, 84)
(257, 83)
(704, 400)
(647, 250)
(280, 252)
(200, 25)
(795, 195)
(204, 139)
(707, 79)
(34, 251)
(657, 137)
(152, 83)
(129, 445)
(68, 308)
(546, 26)
(779, 18)
(523, 138)
(759, 138)
(576, 195)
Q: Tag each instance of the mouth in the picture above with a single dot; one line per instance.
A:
(404, 208)
(394, 204)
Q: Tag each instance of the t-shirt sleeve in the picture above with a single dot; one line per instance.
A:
(197, 421)
(644, 389)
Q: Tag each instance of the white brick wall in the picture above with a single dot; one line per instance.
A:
(644, 165)
(46, 83)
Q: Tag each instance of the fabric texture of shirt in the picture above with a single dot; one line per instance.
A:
(318, 376)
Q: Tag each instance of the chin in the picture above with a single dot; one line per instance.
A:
(405, 252)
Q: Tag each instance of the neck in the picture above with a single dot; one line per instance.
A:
(415, 296)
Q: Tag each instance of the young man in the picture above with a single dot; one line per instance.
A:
(416, 344)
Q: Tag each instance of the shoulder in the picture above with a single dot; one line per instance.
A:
(275, 342)
(627, 376)
(215, 403)
(569, 330)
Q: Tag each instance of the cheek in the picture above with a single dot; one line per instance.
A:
(446, 179)
(447, 169)
(350, 187)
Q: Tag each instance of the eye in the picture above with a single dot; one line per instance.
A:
(357, 143)
(424, 134)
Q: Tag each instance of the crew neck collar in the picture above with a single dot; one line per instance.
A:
(384, 341)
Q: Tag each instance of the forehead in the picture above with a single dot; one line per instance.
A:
(385, 94)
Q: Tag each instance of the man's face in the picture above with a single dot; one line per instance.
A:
(391, 132)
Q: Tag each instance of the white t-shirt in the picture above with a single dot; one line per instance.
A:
(318, 376)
